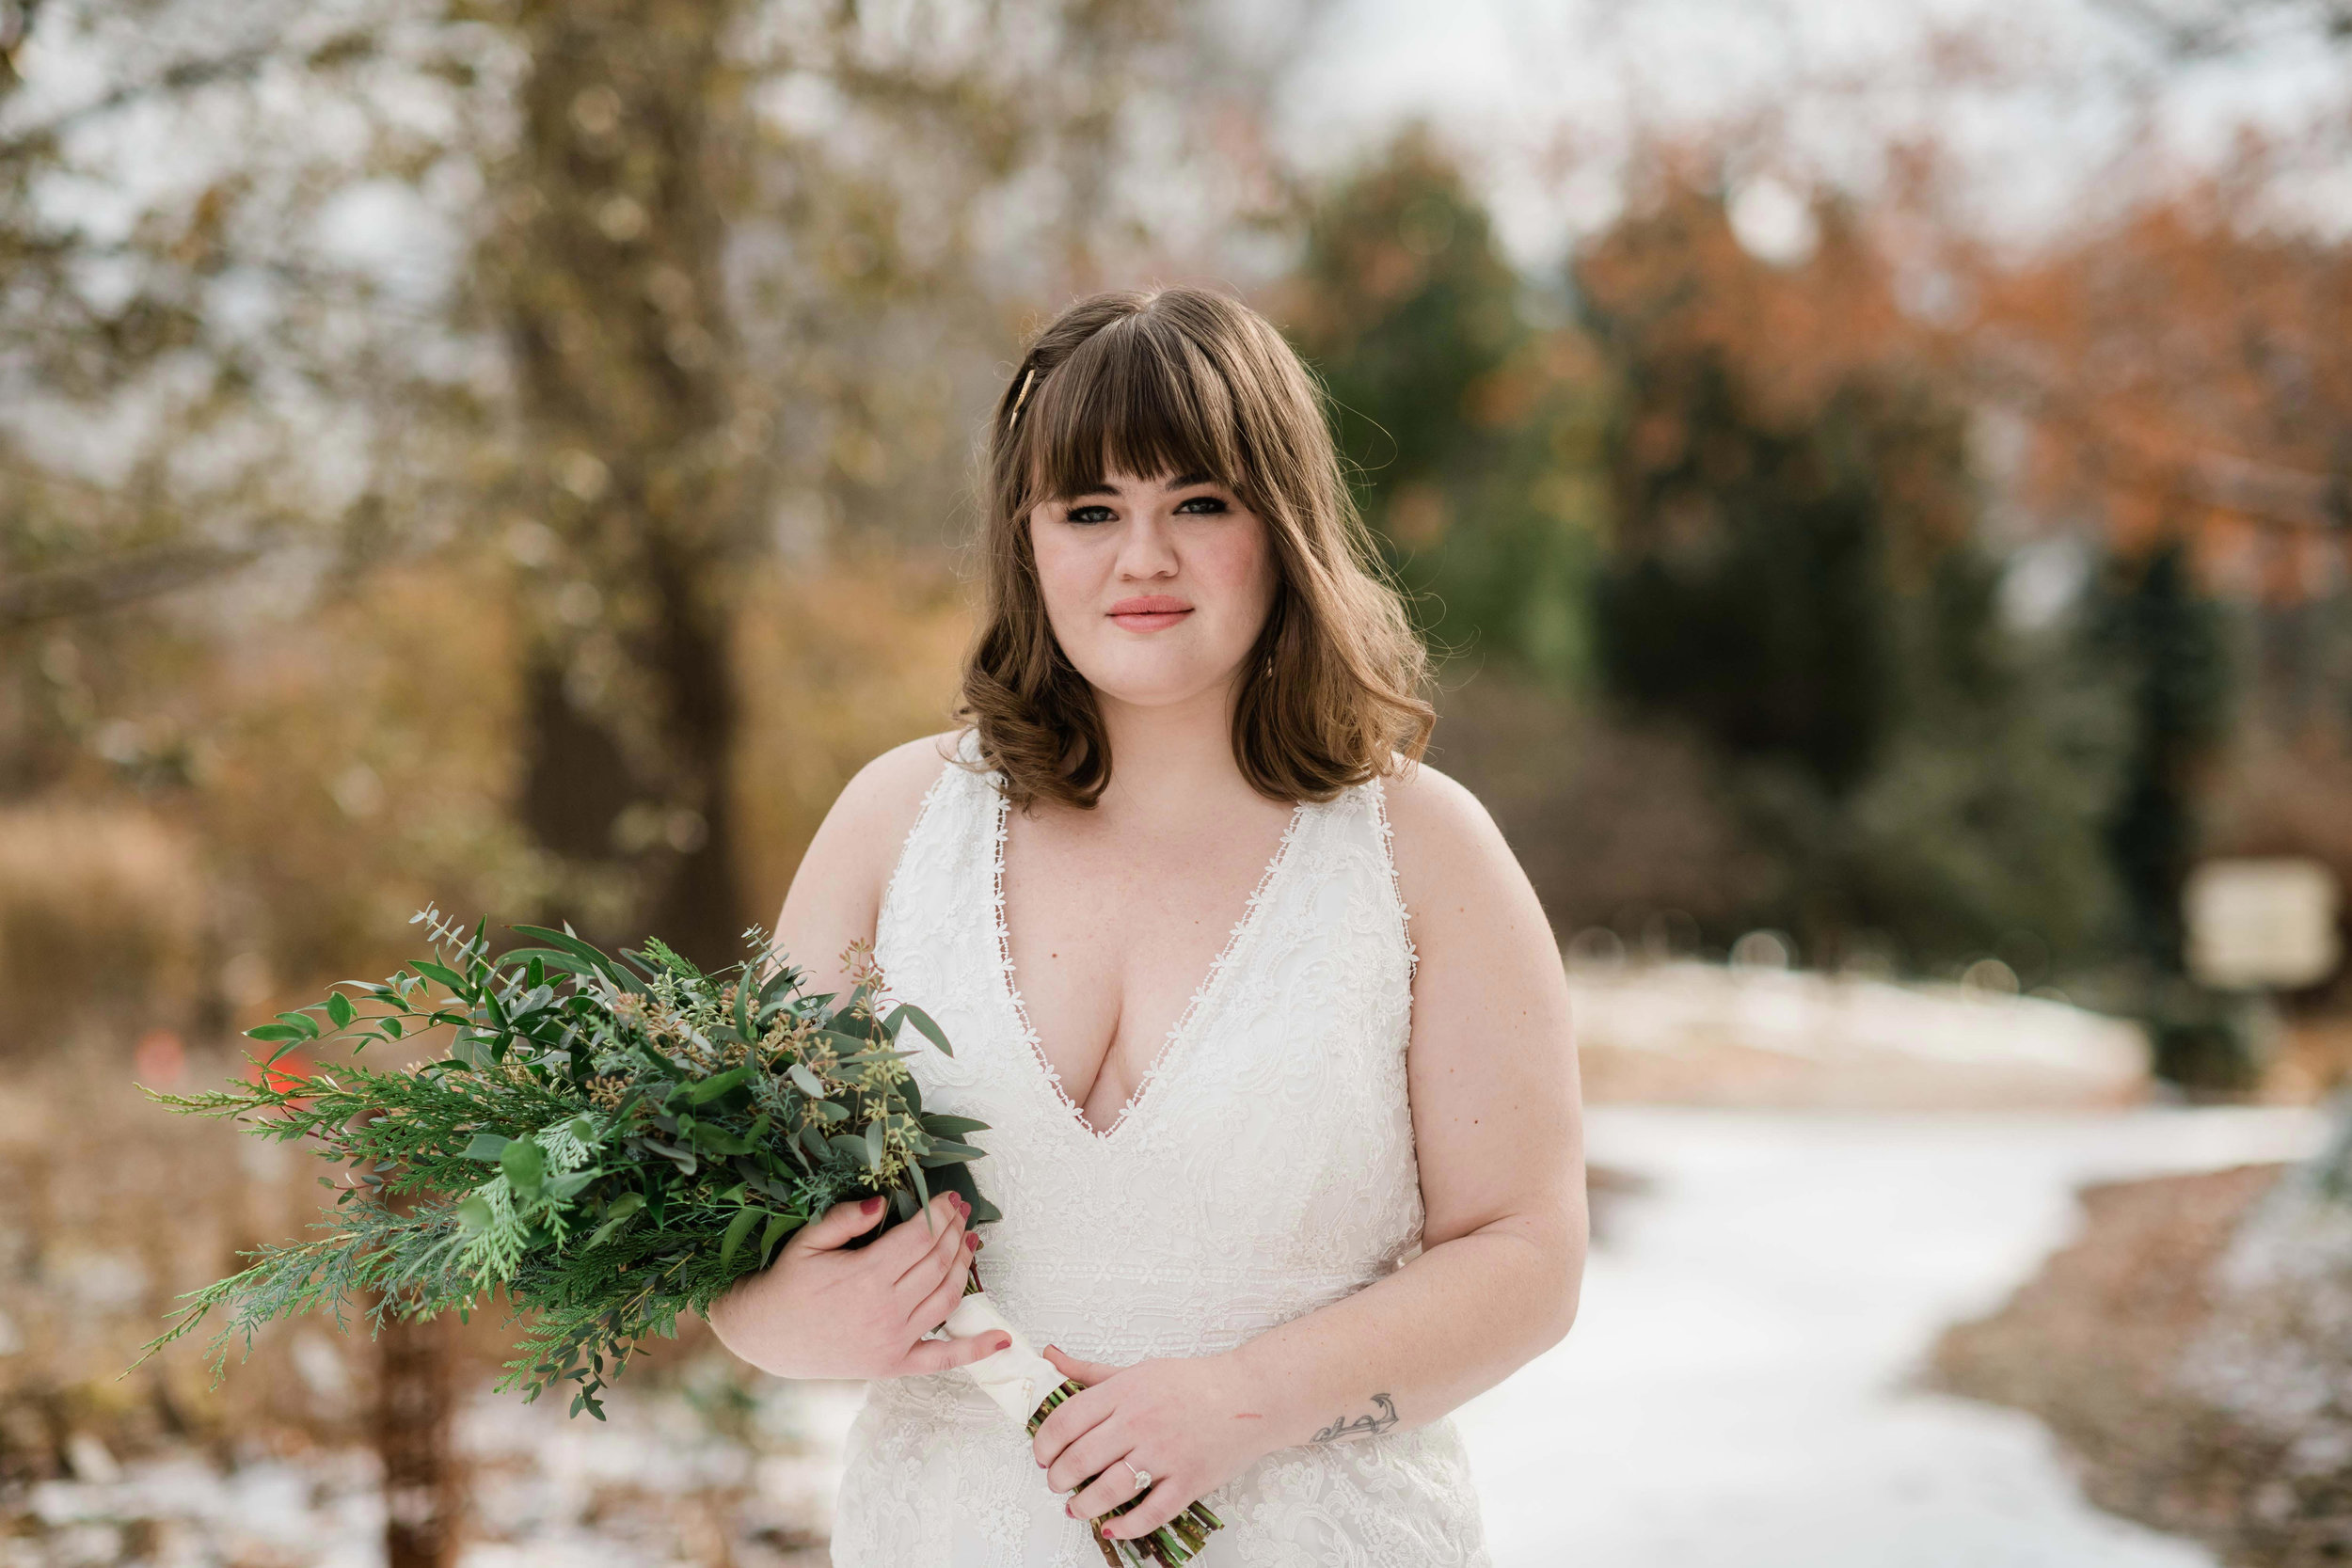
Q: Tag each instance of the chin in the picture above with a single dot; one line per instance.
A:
(1154, 682)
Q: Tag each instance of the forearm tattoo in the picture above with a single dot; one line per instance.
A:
(1362, 1426)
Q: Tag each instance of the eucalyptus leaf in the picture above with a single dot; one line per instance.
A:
(737, 1228)
(524, 1163)
(711, 1089)
(909, 1013)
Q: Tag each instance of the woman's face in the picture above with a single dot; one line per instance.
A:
(1156, 588)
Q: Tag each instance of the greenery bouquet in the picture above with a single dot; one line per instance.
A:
(609, 1141)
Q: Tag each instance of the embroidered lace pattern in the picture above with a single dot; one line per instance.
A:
(1262, 1168)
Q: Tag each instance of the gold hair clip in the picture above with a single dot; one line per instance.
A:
(1023, 396)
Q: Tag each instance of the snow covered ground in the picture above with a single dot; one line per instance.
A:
(1734, 1391)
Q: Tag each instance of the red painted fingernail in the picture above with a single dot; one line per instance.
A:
(871, 1206)
(971, 1241)
(1071, 1509)
(1003, 1343)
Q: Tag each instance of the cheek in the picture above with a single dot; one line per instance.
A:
(1239, 564)
(1066, 572)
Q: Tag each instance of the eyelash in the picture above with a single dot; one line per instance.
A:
(1215, 503)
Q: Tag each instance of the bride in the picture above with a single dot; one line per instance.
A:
(1281, 1190)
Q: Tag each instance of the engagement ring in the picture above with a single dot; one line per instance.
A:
(1143, 1478)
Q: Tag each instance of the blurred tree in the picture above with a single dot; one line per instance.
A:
(644, 442)
(1747, 588)
(1474, 432)
(2165, 639)
(2202, 29)
(2148, 618)
(1793, 572)
(548, 277)
(2181, 378)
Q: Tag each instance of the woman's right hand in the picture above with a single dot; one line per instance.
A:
(823, 1310)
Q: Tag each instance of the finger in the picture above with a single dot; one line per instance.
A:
(1071, 1419)
(932, 1309)
(1161, 1504)
(936, 1266)
(837, 1225)
(1112, 1486)
(1093, 1456)
(905, 1246)
(937, 1355)
(945, 1250)
(1085, 1374)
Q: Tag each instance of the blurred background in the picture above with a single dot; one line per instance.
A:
(1877, 476)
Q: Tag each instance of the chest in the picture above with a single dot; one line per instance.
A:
(1112, 933)
(1291, 1040)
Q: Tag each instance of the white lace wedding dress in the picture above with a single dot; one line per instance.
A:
(1263, 1168)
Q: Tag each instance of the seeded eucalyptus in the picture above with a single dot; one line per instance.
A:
(608, 1141)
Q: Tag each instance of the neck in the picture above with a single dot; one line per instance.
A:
(1169, 755)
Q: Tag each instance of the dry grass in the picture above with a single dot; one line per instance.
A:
(2092, 1345)
(99, 920)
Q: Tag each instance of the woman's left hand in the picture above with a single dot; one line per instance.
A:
(1188, 1420)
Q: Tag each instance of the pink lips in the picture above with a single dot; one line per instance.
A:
(1149, 611)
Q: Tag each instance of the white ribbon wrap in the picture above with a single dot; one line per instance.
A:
(1016, 1377)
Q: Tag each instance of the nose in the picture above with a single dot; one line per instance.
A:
(1148, 549)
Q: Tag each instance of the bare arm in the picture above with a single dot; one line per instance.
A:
(837, 892)
(1498, 1132)
(1492, 1072)
(824, 1310)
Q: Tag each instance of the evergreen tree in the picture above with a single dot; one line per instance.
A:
(1748, 590)
(2165, 643)
(1793, 574)
(1474, 433)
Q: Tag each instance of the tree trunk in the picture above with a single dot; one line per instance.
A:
(644, 460)
(421, 1500)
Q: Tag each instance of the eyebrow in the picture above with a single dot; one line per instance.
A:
(1181, 482)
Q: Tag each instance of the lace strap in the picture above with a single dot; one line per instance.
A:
(918, 851)
(1376, 788)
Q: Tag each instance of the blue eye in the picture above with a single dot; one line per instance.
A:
(1088, 514)
(1203, 504)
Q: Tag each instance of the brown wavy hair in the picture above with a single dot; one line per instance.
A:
(1173, 381)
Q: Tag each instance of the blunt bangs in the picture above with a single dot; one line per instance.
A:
(1136, 397)
(1160, 384)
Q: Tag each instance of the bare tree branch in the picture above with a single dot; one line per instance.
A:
(2205, 29)
(84, 587)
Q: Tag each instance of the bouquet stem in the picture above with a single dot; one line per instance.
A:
(1172, 1544)
(1012, 1377)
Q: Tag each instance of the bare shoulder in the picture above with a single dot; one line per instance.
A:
(889, 790)
(1445, 842)
(842, 873)
(877, 808)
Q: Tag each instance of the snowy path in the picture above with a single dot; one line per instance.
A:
(1732, 1393)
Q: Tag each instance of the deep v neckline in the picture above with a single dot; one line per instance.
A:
(1008, 989)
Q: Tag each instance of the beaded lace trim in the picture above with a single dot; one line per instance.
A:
(1388, 858)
